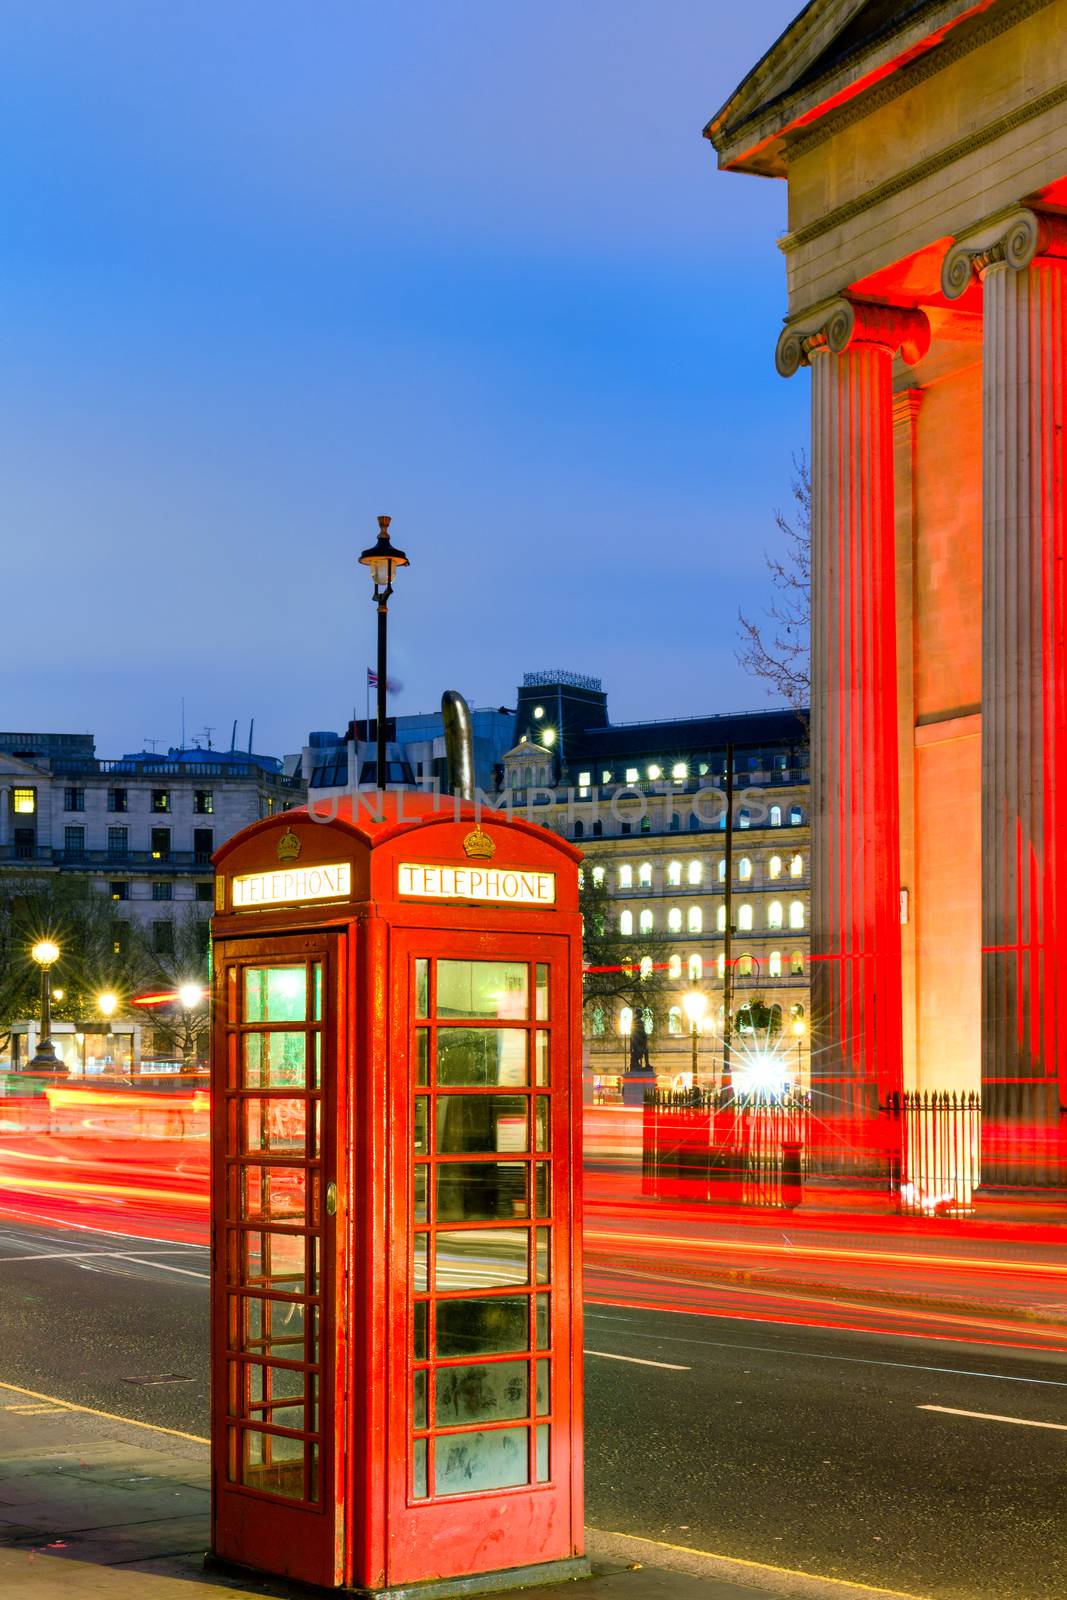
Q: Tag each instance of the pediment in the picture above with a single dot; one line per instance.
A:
(16, 767)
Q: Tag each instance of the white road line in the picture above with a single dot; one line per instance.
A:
(164, 1266)
(83, 1255)
(34, 1220)
(637, 1361)
(991, 1416)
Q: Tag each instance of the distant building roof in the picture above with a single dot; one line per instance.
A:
(783, 726)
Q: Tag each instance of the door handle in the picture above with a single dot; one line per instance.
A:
(331, 1199)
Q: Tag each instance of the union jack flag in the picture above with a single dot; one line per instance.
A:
(372, 679)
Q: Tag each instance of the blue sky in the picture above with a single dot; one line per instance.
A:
(271, 270)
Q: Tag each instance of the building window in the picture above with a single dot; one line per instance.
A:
(625, 877)
(631, 774)
(674, 920)
(118, 841)
(695, 920)
(203, 891)
(796, 913)
(648, 1019)
(24, 802)
(118, 800)
(796, 867)
(646, 967)
(598, 1022)
(25, 844)
(624, 827)
(644, 875)
(674, 1020)
(744, 918)
(646, 825)
(722, 870)
(696, 968)
(674, 874)
(120, 889)
(720, 919)
(626, 923)
(579, 830)
(73, 799)
(796, 964)
(696, 872)
(720, 965)
(655, 771)
(121, 942)
(160, 799)
(774, 914)
(744, 966)
(774, 964)
(598, 830)
(605, 775)
(160, 844)
(694, 822)
(644, 922)
(674, 967)
(163, 938)
(744, 869)
(776, 817)
(203, 844)
(679, 772)
(203, 802)
(584, 779)
(795, 817)
(626, 1020)
(744, 818)
(162, 891)
(74, 841)
(774, 867)
(598, 876)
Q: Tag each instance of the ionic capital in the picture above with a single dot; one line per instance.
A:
(843, 324)
(1014, 239)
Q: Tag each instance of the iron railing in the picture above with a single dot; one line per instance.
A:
(716, 1145)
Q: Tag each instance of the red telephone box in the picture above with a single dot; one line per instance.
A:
(396, 1185)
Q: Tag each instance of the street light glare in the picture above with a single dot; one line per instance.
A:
(45, 952)
(107, 1003)
(695, 1005)
(190, 995)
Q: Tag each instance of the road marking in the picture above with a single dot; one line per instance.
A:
(36, 1411)
(109, 1416)
(638, 1361)
(991, 1416)
(35, 1220)
(85, 1255)
(164, 1266)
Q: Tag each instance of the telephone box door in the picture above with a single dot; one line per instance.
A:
(279, 1068)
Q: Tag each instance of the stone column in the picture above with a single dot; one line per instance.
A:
(1020, 261)
(855, 919)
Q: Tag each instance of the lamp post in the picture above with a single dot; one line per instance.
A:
(695, 1005)
(800, 1028)
(384, 561)
(190, 995)
(46, 953)
(626, 1022)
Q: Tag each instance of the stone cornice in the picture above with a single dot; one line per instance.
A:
(1011, 239)
(906, 403)
(841, 324)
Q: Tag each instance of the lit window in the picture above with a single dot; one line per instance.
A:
(598, 875)
(774, 914)
(720, 919)
(631, 774)
(674, 967)
(644, 875)
(203, 802)
(605, 776)
(721, 965)
(722, 870)
(744, 966)
(538, 712)
(120, 890)
(794, 816)
(774, 867)
(796, 913)
(674, 920)
(696, 968)
(744, 869)
(674, 1019)
(644, 922)
(655, 771)
(776, 816)
(796, 867)
(674, 874)
(695, 920)
(160, 799)
(646, 825)
(744, 918)
(774, 964)
(24, 801)
(702, 769)
(548, 736)
(647, 1018)
(646, 966)
(744, 818)
(626, 877)
(598, 1022)
(796, 964)
(696, 872)
(626, 922)
(679, 772)
(584, 779)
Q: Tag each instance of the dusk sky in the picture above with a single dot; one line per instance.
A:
(270, 271)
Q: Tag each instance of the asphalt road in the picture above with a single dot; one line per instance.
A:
(806, 1447)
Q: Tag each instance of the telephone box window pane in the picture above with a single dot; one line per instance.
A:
(274, 1060)
(273, 1125)
(480, 1123)
(496, 1392)
(275, 994)
(316, 991)
(544, 1391)
(316, 1061)
(542, 1255)
(544, 1336)
(418, 1341)
(422, 1058)
(421, 1279)
(273, 1464)
(419, 1473)
(481, 1191)
(273, 1192)
(542, 1190)
(471, 1463)
(274, 1328)
(543, 1432)
(420, 1194)
(422, 987)
(541, 994)
(481, 1058)
(494, 989)
(273, 1260)
(482, 1258)
(418, 1408)
(421, 1145)
(483, 1327)
(313, 1472)
(541, 1074)
(541, 1130)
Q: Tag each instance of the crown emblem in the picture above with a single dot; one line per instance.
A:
(288, 846)
(480, 845)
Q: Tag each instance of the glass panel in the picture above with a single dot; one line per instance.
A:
(419, 1470)
(541, 1126)
(480, 1191)
(422, 987)
(273, 1260)
(421, 1146)
(482, 989)
(273, 1328)
(541, 996)
(420, 1194)
(481, 1058)
(483, 1327)
(418, 1341)
(470, 1463)
(273, 1464)
(420, 1282)
(542, 1255)
(541, 1077)
(467, 1123)
(544, 1392)
(316, 1061)
(277, 1192)
(542, 1190)
(544, 1338)
(482, 1258)
(274, 1060)
(275, 994)
(543, 1432)
(495, 1392)
(418, 1407)
(316, 991)
(313, 1333)
(313, 1472)
(272, 1125)
(422, 1058)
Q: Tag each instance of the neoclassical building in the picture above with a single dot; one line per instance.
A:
(924, 148)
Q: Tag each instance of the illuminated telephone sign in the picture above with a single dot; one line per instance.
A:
(332, 881)
(507, 887)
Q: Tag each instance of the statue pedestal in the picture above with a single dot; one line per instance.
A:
(634, 1085)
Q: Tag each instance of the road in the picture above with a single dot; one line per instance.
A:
(808, 1447)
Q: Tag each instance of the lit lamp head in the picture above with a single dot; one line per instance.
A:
(59, 994)
(383, 559)
(626, 1023)
(695, 1005)
(46, 953)
(107, 1004)
(190, 995)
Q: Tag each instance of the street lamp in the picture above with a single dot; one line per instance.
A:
(46, 953)
(626, 1022)
(695, 1005)
(800, 1028)
(190, 995)
(384, 561)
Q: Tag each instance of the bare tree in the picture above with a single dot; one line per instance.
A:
(179, 1030)
(776, 647)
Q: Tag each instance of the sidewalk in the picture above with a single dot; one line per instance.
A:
(97, 1508)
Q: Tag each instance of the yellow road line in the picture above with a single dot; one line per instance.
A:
(109, 1416)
